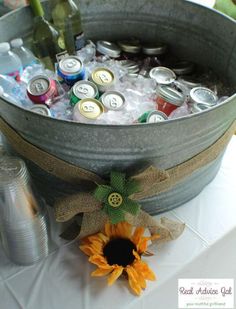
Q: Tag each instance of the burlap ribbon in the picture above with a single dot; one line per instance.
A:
(151, 182)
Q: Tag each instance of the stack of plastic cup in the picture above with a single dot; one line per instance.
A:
(24, 220)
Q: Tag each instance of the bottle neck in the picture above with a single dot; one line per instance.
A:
(37, 8)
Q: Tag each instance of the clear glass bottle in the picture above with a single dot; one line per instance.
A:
(45, 37)
(66, 18)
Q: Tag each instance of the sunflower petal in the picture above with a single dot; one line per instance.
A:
(100, 272)
(108, 229)
(116, 215)
(136, 255)
(130, 206)
(142, 268)
(100, 261)
(102, 191)
(118, 181)
(133, 280)
(143, 244)
(87, 250)
(99, 237)
(115, 275)
(123, 229)
(138, 233)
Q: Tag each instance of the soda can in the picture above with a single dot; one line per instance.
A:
(87, 109)
(41, 109)
(154, 49)
(183, 68)
(168, 99)
(108, 49)
(82, 90)
(103, 78)
(163, 75)
(113, 100)
(132, 46)
(70, 70)
(41, 89)
(202, 95)
(152, 116)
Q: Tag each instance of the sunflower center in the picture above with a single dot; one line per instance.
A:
(119, 251)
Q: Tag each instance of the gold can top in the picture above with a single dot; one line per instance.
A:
(102, 76)
(90, 108)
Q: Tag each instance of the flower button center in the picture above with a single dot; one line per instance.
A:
(115, 199)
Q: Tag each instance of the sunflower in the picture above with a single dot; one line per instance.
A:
(118, 251)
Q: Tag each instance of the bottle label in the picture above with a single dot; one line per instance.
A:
(79, 41)
(16, 75)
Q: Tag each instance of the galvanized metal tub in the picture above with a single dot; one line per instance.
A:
(195, 32)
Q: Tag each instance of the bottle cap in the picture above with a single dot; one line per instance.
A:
(4, 47)
(16, 43)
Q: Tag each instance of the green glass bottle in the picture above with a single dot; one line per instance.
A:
(66, 18)
(45, 37)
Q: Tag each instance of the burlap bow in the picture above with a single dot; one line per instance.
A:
(97, 212)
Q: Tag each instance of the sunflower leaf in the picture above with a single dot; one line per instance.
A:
(132, 186)
(116, 215)
(101, 193)
(118, 181)
(130, 206)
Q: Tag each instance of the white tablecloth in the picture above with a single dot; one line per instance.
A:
(206, 250)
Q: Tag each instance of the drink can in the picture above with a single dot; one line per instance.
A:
(202, 95)
(152, 116)
(103, 78)
(168, 99)
(42, 89)
(113, 100)
(82, 90)
(88, 108)
(154, 49)
(163, 75)
(70, 70)
(41, 109)
(109, 49)
(132, 46)
(183, 68)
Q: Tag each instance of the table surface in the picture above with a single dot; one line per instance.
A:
(204, 250)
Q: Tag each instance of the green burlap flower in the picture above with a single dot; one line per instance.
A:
(115, 198)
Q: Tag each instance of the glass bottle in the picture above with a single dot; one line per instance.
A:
(45, 37)
(66, 18)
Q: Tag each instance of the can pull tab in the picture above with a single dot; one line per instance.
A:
(103, 77)
(88, 108)
(113, 102)
(83, 90)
